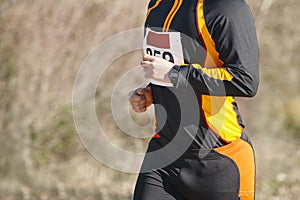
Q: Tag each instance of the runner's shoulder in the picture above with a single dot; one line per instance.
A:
(229, 8)
(226, 13)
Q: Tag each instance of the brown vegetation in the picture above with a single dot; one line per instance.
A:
(43, 43)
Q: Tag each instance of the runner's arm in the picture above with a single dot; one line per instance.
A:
(233, 31)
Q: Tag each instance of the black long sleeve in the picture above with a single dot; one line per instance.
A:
(231, 27)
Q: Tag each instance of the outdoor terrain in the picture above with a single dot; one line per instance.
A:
(42, 46)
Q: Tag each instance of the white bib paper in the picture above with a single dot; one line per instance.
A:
(166, 45)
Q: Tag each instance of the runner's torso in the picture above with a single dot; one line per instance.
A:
(202, 46)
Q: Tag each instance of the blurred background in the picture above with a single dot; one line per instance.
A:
(42, 45)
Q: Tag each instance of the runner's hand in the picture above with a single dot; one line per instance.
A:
(156, 68)
(140, 99)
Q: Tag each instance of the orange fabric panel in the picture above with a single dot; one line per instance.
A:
(212, 59)
(242, 154)
(219, 113)
(213, 65)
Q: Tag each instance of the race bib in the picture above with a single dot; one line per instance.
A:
(166, 45)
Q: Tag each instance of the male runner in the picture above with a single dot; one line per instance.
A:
(210, 47)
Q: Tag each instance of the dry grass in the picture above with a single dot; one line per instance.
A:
(42, 46)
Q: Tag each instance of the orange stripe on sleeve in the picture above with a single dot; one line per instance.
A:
(171, 15)
(153, 7)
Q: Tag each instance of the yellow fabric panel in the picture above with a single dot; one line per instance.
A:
(220, 73)
(154, 124)
(171, 15)
(221, 117)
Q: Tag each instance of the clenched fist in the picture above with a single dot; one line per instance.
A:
(140, 99)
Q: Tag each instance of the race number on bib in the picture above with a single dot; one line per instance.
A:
(166, 45)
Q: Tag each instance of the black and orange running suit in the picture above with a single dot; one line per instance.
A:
(220, 62)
